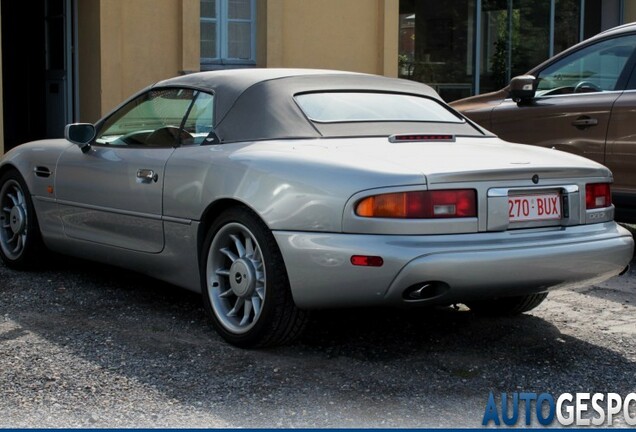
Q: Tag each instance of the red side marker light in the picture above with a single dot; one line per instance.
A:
(367, 261)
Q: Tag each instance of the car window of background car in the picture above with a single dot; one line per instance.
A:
(595, 68)
(152, 119)
(199, 121)
(332, 107)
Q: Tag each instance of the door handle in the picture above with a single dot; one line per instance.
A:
(584, 122)
(147, 175)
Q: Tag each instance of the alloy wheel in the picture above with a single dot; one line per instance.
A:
(236, 279)
(13, 219)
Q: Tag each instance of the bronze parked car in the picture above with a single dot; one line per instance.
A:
(582, 100)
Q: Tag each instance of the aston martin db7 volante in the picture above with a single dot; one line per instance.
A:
(273, 192)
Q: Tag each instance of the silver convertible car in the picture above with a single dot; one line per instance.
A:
(273, 192)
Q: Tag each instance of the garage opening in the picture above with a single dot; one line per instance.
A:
(38, 67)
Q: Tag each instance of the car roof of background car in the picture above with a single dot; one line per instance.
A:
(257, 104)
(618, 29)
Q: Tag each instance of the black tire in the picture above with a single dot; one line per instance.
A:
(21, 244)
(245, 285)
(507, 306)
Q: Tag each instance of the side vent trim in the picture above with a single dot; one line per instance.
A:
(42, 171)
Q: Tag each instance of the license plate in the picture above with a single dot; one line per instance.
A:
(534, 207)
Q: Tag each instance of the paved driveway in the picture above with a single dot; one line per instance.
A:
(89, 346)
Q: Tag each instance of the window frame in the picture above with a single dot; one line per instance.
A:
(621, 81)
(126, 107)
(222, 22)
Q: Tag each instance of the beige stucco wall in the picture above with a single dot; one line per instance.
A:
(356, 35)
(139, 43)
(128, 45)
(89, 60)
(629, 12)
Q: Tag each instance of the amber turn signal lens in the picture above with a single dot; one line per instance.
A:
(386, 205)
(456, 203)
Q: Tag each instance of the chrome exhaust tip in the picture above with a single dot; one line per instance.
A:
(425, 290)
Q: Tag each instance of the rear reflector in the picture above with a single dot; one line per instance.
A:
(597, 195)
(421, 137)
(367, 261)
(457, 203)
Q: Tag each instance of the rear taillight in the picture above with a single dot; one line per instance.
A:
(420, 205)
(597, 195)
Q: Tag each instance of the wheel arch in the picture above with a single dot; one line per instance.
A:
(9, 167)
(23, 166)
(12, 167)
(212, 212)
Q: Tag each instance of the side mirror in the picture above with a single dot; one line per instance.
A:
(522, 88)
(80, 134)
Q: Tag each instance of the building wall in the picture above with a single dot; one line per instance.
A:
(356, 35)
(629, 12)
(89, 60)
(127, 45)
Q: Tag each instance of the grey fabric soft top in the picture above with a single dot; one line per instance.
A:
(258, 104)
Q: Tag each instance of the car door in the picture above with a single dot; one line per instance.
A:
(573, 102)
(621, 145)
(112, 194)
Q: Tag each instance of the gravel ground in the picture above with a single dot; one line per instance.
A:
(83, 345)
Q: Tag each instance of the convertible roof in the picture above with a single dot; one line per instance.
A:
(256, 104)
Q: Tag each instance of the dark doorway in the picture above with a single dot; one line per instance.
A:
(37, 65)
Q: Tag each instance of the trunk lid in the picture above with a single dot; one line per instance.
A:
(471, 159)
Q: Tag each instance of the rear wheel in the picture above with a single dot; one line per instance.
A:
(244, 283)
(508, 305)
(20, 241)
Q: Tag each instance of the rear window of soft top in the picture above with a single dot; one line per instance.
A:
(335, 107)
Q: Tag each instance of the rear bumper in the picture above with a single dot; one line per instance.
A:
(463, 266)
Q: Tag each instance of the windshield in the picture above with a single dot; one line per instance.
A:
(332, 107)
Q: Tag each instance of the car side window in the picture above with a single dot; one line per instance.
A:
(595, 68)
(153, 119)
(199, 120)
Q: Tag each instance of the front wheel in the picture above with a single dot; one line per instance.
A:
(506, 306)
(20, 241)
(244, 283)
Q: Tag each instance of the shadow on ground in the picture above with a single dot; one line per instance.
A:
(359, 363)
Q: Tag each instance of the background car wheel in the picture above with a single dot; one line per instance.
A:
(244, 283)
(508, 305)
(20, 240)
